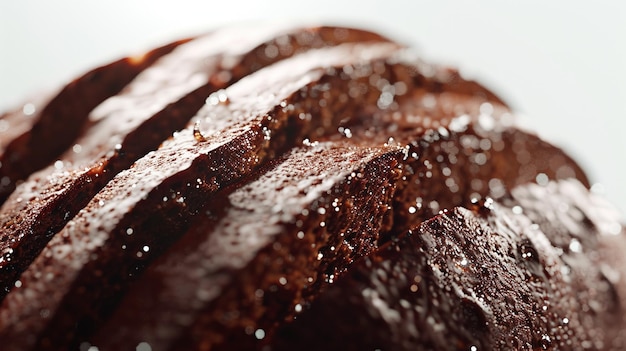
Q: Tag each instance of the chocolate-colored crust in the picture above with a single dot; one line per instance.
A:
(587, 235)
(453, 167)
(480, 279)
(18, 122)
(156, 197)
(56, 123)
(133, 123)
(284, 235)
(221, 199)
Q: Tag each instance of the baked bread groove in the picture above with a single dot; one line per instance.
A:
(51, 123)
(125, 127)
(166, 187)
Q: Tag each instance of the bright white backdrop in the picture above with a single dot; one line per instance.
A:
(560, 64)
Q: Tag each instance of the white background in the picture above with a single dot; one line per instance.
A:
(560, 64)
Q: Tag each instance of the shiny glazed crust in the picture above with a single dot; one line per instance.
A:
(280, 187)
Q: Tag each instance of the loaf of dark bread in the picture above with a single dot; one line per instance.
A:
(297, 188)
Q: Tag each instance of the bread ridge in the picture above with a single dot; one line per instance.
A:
(57, 119)
(427, 290)
(331, 199)
(434, 117)
(43, 204)
(249, 143)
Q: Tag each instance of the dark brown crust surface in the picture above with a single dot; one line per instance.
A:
(54, 125)
(461, 147)
(286, 235)
(250, 217)
(506, 136)
(163, 189)
(18, 121)
(127, 126)
(488, 279)
(451, 167)
(587, 234)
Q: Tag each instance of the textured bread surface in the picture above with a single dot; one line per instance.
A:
(488, 277)
(279, 187)
(127, 126)
(49, 124)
